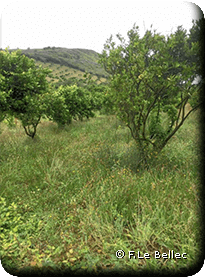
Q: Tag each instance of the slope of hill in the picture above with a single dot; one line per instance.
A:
(79, 59)
(68, 65)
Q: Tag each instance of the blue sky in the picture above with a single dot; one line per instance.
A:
(87, 24)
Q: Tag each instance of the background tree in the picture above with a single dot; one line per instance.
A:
(69, 102)
(100, 94)
(22, 86)
(151, 84)
(57, 109)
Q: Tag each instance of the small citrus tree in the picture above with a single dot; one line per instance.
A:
(56, 109)
(69, 102)
(22, 89)
(151, 85)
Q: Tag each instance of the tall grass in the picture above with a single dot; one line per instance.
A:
(73, 197)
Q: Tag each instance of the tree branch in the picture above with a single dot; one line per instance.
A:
(182, 109)
(180, 124)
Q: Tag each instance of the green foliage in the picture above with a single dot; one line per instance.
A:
(107, 104)
(23, 85)
(57, 109)
(79, 102)
(196, 40)
(70, 102)
(151, 83)
(16, 231)
(100, 94)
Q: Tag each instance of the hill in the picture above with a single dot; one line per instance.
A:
(68, 64)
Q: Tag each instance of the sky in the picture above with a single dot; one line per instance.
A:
(87, 24)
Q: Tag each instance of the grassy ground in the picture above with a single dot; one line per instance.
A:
(73, 197)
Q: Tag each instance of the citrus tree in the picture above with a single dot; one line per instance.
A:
(69, 102)
(151, 84)
(22, 89)
(56, 109)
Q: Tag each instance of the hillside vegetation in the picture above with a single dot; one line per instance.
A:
(68, 65)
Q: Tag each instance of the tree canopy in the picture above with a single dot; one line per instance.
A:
(152, 80)
(22, 87)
